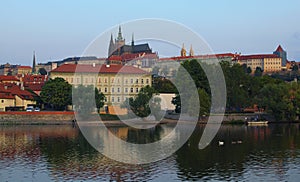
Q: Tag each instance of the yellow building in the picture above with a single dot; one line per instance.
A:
(116, 82)
(12, 95)
(267, 62)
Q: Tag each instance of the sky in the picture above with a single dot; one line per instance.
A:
(59, 29)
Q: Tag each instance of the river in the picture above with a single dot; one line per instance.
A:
(61, 153)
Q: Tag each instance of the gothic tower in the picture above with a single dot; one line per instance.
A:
(111, 47)
(183, 51)
(132, 40)
(191, 51)
(119, 41)
(33, 64)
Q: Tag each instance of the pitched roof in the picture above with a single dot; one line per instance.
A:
(81, 68)
(257, 56)
(8, 78)
(14, 89)
(208, 56)
(24, 67)
(6, 96)
(279, 49)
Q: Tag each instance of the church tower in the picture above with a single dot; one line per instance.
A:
(183, 51)
(132, 40)
(191, 51)
(119, 41)
(111, 47)
(33, 64)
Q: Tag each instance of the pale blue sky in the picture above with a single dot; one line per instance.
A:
(57, 29)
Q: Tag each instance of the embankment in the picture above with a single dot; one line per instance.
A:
(43, 117)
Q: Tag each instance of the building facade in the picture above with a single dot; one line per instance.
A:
(116, 82)
(267, 62)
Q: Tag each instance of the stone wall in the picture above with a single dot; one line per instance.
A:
(44, 117)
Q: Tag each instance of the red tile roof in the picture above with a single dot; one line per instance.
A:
(14, 89)
(34, 87)
(6, 96)
(279, 49)
(81, 68)
(257, 56)
(8, 78)
(208, 56)
(24, 67)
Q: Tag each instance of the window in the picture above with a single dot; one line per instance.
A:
(105, 89)
(2, 101)
(137, 90)
(78, 80)
(105, 99)
(71, 80)
(131, 90)
(99, 80)
(137, 81)
(86, 80)
(92, 80)
(112, 99)
(131, 80)
(112, 80)
(118, 90)
(126, 90)
(147, 81)
(126, 81)
(112, 90)
(142, 80)
(118, 99)
(105, 80)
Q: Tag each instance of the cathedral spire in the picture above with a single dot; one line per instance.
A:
(120, 34)
(191, 51)
(111, 47)
(33, 64)
(132, 40)
(183, 51)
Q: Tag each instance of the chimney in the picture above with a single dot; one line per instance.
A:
(5, 87)
(94, 65)
(107, 66)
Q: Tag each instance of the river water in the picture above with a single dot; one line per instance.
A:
(61, 153)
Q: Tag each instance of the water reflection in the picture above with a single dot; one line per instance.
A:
(43, 153)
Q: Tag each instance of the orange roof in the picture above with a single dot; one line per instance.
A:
(208, 56)
(6, 96)
(25, 67)
(279, 49)
(14, 89)
(81, 68)
(8, 78)
(257, 56)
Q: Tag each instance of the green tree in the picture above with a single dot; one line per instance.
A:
(258, 71)
(142, 105)
(295, 68)
(57, 93)
(87, 99)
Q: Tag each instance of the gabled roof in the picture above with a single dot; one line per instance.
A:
(257, 56)
(8, 78)
(13, 89)
(114, 69)
(279, 49)
(24, 67)
(6, 96)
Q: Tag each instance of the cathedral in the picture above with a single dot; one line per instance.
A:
(118, 47)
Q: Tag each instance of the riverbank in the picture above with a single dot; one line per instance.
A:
(68, 117)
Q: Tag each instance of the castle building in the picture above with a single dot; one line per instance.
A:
(138, 55)
(116, 82)
(282, 54)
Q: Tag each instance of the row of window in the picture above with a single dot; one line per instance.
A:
(104, 80)
(118, 90)
(115, 99)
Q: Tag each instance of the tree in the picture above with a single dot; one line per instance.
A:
(142, 105)
(57, 93)
(249, 70)
(87, 99)
(258, 71)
